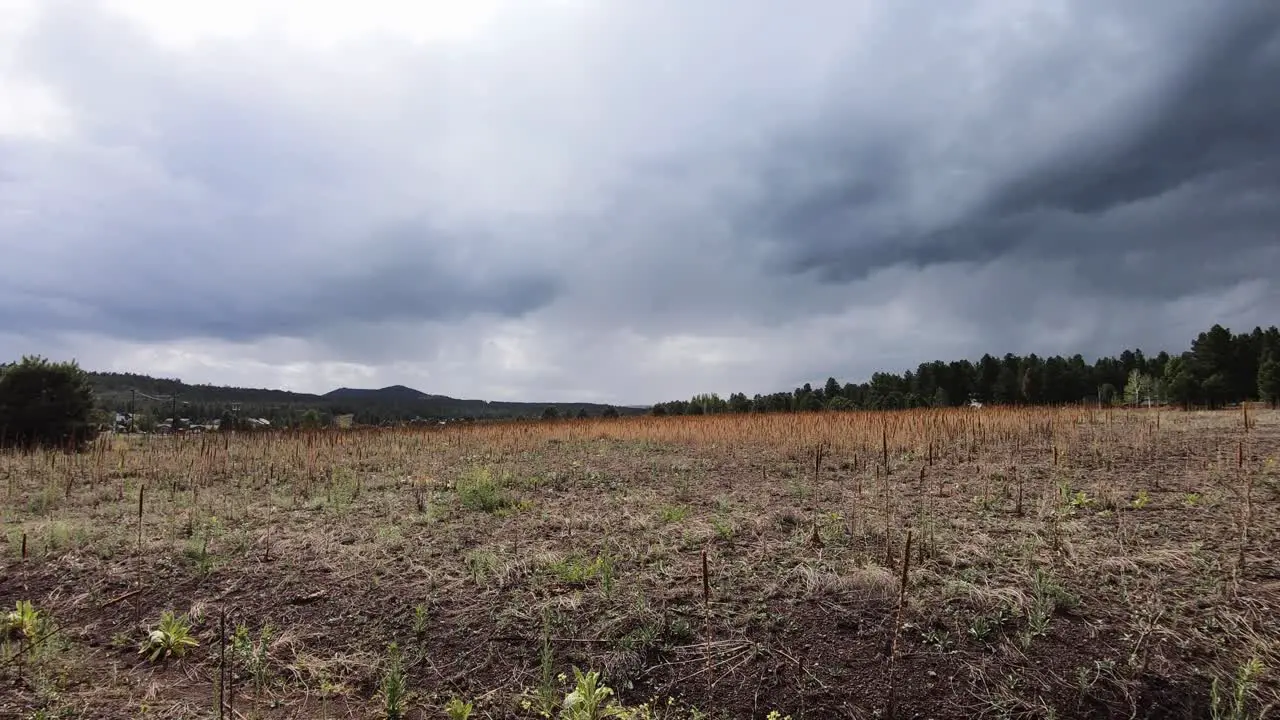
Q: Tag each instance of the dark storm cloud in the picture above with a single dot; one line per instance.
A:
(1218, 115)
(412, 277)
(1209, 131)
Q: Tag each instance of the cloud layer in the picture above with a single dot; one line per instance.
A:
(631, 201)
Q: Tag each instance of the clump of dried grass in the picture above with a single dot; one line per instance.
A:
(872, 583)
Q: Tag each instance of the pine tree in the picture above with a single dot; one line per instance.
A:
(1269, 381)
(45, 403)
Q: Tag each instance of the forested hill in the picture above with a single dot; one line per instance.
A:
(1220, 367)
(199, 403)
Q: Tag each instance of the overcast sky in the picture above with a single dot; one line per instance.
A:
(631, 200)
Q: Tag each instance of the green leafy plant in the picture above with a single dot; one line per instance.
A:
(1143, 499)
(458, 710)
(395, 686)
(171, 639)
(608, 574)
(544, 699)
(985, 625)
(1047, 597)
(480, 563)
(251, 654)
(940, 640)
(420, 617)
(590, 700)
(22, 622)
(1080, 499)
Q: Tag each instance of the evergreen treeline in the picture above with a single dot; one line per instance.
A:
(1220, 368)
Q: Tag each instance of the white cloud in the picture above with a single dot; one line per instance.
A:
(317, 24)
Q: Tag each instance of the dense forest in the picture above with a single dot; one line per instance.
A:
(1219, 368)
(153, 400)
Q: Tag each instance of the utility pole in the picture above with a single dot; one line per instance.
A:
(173, 401)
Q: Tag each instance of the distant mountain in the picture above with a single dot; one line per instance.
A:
(160, 396)
(386, 394)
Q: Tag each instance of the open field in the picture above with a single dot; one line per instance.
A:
(931, 564)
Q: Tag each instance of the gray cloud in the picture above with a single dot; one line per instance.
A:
(1201, 142)
(1216, 115)
(633, 201)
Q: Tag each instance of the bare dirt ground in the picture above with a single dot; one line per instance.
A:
(1044, 563)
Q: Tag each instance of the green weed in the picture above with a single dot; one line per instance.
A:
(420, 618)
(171, 639)
(458, 710)
(673, 513)
(1235, 706)
(479, 490)
(394, 691)
(251, 654)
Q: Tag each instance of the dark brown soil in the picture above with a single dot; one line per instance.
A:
(1107, 582)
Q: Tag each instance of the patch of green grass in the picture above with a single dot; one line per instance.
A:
(673, 513)
(479, 490)
(577, 570)
(725, 529)
(1235, 705)
(481, 564)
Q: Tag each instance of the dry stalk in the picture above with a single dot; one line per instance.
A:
(137, 605)
(897, 627)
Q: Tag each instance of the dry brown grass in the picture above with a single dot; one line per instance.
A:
(1075, 561)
